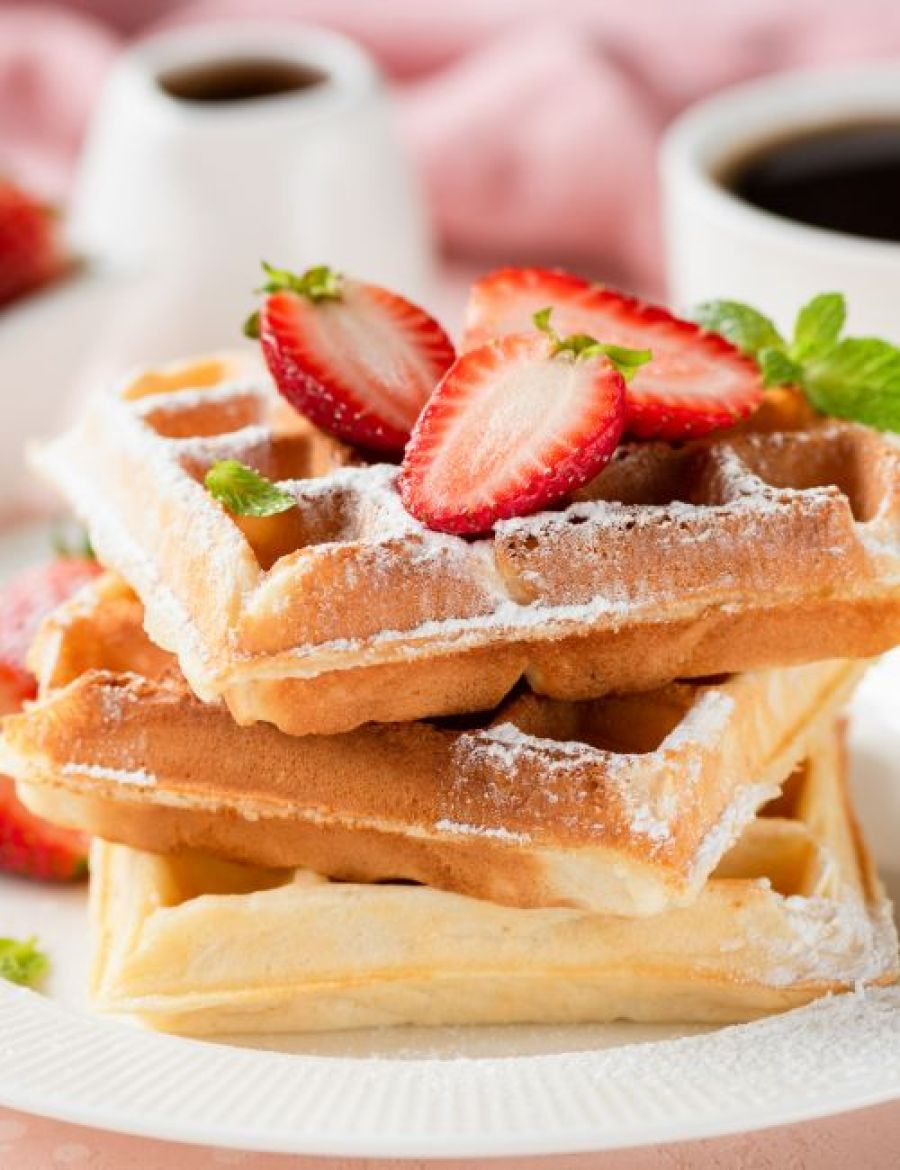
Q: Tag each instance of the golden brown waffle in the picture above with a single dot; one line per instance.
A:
(622, 805)
(199, 946)
(753, 549)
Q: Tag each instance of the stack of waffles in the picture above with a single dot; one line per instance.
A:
(342, 770)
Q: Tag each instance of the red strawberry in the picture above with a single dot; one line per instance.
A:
(34, 848)
(30, 253)
(24, 603)
(514, 426)
(357, 360)
(696, 382)
(29, 845)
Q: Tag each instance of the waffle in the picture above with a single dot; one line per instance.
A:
(620, 805)
(199, 946)
(763, 547)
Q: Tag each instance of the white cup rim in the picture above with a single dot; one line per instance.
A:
(720, 127)
(350, 75)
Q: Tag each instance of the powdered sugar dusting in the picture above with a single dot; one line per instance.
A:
(737, 815)
(246, 445)
(136, 776)
(458, 828)
(707, 718)
(645, 824)
(840, 940)
(505, 744)
(489, 605)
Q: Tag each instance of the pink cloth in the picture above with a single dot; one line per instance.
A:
(52, 65)
(534, 122)
(866, 1140)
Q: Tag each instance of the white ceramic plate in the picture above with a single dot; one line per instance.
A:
(453, 1092)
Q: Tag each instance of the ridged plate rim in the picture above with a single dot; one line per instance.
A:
(836, 1055)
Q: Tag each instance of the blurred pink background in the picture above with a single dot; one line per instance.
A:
(533, 123)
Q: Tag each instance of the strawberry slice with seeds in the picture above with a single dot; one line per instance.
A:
(30, 252)
(359, 361)
(505, 302)
(697, 382)
(29, 845)
(515, 426)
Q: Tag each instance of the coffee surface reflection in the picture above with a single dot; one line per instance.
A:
(239, 80)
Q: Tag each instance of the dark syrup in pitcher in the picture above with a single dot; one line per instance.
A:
(843, 177)
(239, 79)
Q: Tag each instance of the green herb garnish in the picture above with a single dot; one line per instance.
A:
(244, 491)
(21, 962)
(856, 378)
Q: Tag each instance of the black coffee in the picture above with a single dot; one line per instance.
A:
(239, 80)
(844, 177)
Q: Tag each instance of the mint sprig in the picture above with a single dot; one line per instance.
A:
(858, 379)
(69, 539)
(582, 345)
(855, 378)
(244, 491)
(744, 327)
(818, 326)
(22, 962)
(320, 283)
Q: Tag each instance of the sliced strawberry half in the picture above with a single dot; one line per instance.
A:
(30, 252)
(514, 426)
(696, 382)
(359, 361)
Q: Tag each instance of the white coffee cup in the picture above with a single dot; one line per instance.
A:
(718, 245)
(200, 192)
(177, 202)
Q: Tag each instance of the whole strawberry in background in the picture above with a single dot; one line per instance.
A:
(30, 249)
(28, 845)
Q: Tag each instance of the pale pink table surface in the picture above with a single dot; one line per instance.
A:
(865, 1140)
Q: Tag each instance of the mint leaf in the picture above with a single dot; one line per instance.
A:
(251, 326)
(744, 327)
(857, 379)
(582, 345)
(541, 321)
(21, 962)
(777, 368)
(627, 361)
(818, 326)
(244, 491)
